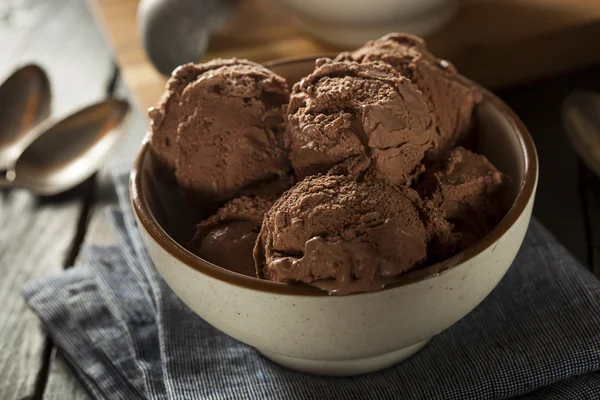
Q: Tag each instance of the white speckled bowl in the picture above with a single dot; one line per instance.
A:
(305, 329)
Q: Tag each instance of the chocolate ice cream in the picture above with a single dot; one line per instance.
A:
(227, 238)
(341, 234)
(450, 99)
(361, 115)
(222, 126)
(443, 240)
(167, 115)
(358, 133)
(469, 190)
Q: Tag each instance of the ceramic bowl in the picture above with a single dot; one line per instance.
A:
(350, 23)
(305, 329)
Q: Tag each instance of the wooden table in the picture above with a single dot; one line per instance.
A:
(39, 237)
(498, 43)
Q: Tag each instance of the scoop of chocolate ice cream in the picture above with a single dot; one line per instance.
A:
(221, 126)
(361, 115)
(167, 115)
(227, 238)
(469, 190)
(341, 234)
(233, 136)
(449, 98)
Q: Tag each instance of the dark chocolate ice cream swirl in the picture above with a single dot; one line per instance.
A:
(362, 113)
(221, 127)
(167, 115)
(227, 238)
(341, 234)
(450, 99)
(469, 190)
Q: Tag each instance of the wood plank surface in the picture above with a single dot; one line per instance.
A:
(499, 43)
(62, 383)
(560, 202)
(37, 235)
(60, 36)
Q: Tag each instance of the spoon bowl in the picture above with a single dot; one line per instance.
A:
(25, 99)
(67, 152)
(581, 118)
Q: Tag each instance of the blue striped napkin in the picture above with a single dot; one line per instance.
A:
(127, 336)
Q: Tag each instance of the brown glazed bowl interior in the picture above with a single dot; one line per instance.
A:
(501, 137)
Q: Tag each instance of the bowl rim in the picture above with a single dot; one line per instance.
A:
(160, 237)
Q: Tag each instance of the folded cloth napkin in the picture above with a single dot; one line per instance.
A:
(127, 335)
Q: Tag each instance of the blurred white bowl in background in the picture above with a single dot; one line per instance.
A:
(350, 23)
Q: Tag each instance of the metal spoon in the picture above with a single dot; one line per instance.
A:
(67, 152)
(24, 103)
(581, 118)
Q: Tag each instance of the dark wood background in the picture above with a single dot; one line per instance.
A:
(41, 236)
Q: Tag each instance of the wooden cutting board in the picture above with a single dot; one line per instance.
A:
(497, 43)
